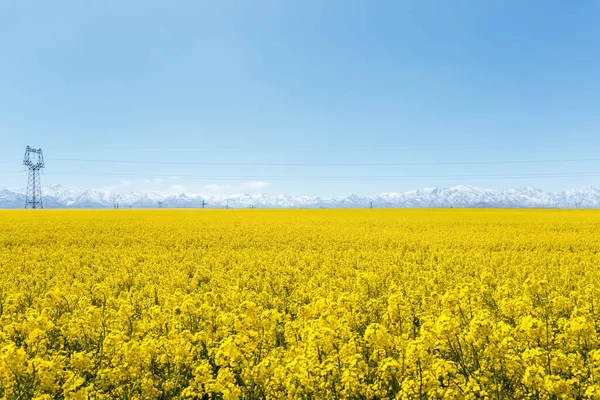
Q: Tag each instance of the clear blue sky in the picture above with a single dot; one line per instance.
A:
(310, 82)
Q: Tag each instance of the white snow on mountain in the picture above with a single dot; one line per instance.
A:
(58, 196)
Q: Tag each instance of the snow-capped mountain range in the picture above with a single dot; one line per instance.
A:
(58, 196)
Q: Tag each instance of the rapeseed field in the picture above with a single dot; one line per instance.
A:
(299, 304)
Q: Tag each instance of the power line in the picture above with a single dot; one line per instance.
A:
(368, 147)
(11, 172)
(338, 178)
(552, 161)
(351, 148)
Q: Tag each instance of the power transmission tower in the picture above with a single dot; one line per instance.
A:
(34, 161)
(203, 203)
(160, 204)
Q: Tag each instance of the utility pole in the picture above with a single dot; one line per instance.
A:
(371, 204)
(203, 203)
(34, 161)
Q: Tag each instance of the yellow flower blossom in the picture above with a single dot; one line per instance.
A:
(292, 304)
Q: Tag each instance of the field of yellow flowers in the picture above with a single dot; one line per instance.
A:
(302, 304)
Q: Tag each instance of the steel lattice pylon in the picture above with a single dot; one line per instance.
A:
(34, 161)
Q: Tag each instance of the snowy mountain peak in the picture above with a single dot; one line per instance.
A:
(58, 196)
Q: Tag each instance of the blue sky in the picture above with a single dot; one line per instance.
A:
(301, 82)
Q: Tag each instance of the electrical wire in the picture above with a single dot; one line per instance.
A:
(351, 148)
(336, 178)
(554, 161)
(340, 164)
(11, 173)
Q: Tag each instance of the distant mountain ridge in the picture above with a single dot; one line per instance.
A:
(58, 196)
